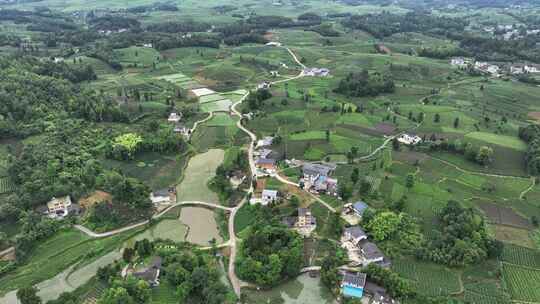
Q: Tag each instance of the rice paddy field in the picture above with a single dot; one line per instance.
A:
(200, 170)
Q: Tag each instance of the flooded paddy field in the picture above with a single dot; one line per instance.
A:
(301, 290)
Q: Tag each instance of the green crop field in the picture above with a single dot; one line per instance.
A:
(221, 120)
(485, 293)
(6, 185)
(521, 256)
(523, 283)
(503, 140)
(429, 279)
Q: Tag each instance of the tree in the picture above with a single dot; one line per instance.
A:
(125, 146)
(409, 182)
(334, 228)
(384, 225)
(28, 295)
(345, 191)
(355, 176)
(470, 152)
(456, 122)
(437, 118)
(395, 144)
(116, 296)
(484, 155)
(420, 117)
(294, 202)
(534, 220)
(365, 186)
(128, 254)
(327, 133)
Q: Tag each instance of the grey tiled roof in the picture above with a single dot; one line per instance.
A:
(354, 279)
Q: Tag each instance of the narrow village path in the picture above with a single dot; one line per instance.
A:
(155, 216)
(524, 192)
(476, 172)
(197, 123)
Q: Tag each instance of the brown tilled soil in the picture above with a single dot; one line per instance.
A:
(504, 215)
(410, 157)
(534, 115)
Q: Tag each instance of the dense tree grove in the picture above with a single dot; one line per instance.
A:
(60, 163)
(394, 284)
(178, 27)
(365, 84)
(386, 24)
(493, 49)
(32, 94)
(400, 229)
(162, 140)
(197, 278)
(194, 275)
(531, 134)
(270, 252)
(462, 240)
(114, 23)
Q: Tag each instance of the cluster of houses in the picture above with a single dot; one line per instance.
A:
(265, 85)
(494, 69)
(510, 31)
(175, 118)
(150, 274)
(355, 285)
(273, 43)
(316, 72)
(316, 178)
(409, 140)
(59, 208)
(109, 32)
(305, 223)
(163, 197)
(362, 252)
(264, 160)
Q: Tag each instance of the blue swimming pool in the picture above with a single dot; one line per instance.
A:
(349, 291)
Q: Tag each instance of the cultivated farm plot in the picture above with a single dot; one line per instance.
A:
(210, 98)
(523, 283)
(222, 105)
(430, 279)
(486, 293)
(221, 119)
(6, 185)
(497, 139)
(521, 256)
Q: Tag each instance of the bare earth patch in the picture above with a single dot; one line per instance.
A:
(504, 216)
(534, 115)
(517, 236)
(410, 157)
(94, 198)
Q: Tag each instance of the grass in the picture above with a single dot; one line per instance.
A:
(244, 218)
(502, 140)
(163, 294)
(137, 56)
